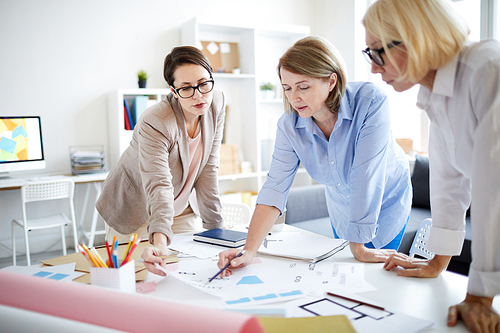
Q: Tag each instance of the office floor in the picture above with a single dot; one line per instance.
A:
(35, 258)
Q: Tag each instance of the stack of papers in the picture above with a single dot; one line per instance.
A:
(87, 160)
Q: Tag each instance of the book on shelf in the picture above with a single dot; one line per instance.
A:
(223, 237)
(129, 115)
(126, 121)
(139, 105)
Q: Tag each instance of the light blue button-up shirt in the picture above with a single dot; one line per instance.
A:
(366, 173)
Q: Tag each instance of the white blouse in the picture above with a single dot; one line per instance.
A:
(464, 155)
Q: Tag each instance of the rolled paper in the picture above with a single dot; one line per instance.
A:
(115, 309)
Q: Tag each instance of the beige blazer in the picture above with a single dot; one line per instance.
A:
(151, 172)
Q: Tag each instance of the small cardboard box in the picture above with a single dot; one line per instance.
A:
(122, 278)
(229, 162)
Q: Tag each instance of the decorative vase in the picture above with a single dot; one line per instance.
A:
(142, 84)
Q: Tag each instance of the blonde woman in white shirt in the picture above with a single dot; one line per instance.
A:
(425, 42)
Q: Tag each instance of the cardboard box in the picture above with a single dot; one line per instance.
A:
(229, 163)
(406, 144)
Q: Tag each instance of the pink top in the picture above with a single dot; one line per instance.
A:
(195, 155)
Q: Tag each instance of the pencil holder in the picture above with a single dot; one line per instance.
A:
(122, 278)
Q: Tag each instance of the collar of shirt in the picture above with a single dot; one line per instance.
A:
(444, 83)
(345, 112)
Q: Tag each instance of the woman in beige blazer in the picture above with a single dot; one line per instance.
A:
(174, 150)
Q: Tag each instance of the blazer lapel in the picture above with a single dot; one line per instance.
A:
(183, 141)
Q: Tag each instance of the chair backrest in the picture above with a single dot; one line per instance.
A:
(48, 190)
(419, 246)
(235, 214)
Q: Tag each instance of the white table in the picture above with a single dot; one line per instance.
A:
(427, 299)
(91, 180)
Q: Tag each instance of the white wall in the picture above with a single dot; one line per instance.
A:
(60, 58)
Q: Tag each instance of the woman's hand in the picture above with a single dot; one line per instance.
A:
(364, 254)
(150, 256)
(477, 314)
(229, 255)
(417, 267)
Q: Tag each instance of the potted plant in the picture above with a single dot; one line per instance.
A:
(267, 89)
(142, 76)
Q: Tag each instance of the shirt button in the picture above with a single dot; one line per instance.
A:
(338, 184)
(347, 196)
(332, 162)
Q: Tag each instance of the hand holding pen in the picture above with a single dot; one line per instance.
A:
(233, 258)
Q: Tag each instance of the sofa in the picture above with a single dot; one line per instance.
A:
(306, 209)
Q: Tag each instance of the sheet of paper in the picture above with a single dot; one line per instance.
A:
(184, 243)
(59, 273)
(363, 318)
(294, 244)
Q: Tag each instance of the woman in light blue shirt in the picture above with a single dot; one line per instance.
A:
(341, 134)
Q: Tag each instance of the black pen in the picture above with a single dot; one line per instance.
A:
(223, 268)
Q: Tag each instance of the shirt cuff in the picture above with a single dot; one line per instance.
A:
(486, 284)
(272, 198)
(361, 233)
(163, 230)
(444, 241)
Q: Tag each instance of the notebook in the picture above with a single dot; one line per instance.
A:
(224, 237)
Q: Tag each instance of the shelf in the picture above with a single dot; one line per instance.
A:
(233, 76)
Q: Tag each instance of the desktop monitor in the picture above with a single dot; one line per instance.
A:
(21, 146)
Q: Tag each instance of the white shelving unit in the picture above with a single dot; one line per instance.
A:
(119, 137)
(251, 120)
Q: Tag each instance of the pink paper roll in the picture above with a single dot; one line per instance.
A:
(116, 310)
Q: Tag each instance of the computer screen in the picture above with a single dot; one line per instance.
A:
(21, 146)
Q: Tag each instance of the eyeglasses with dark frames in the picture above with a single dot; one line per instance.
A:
(375, 55)
(187, 92)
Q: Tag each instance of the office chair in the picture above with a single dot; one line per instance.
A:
(43, 191)
(235, 214)
(418, 247)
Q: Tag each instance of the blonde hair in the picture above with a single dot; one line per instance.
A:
(315, 57)
(431, 31)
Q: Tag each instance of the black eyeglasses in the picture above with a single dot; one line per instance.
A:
(376, 55)
(188, 92)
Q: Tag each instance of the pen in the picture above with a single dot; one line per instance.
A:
(356, 300)
(225, 267)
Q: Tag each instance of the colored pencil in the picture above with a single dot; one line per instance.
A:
(127, 259)
(108, 249)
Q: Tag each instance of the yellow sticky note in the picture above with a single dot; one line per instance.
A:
(317, 324)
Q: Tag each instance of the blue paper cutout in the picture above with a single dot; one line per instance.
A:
(253, 279)
(58, 276)
(7, 144)
(42, 274)
(19, 131)
(268, 296)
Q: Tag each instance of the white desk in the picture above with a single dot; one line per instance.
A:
(93, 180)
(427, 299)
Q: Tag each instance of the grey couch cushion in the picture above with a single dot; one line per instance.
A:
(420, 182)
(306, 203)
